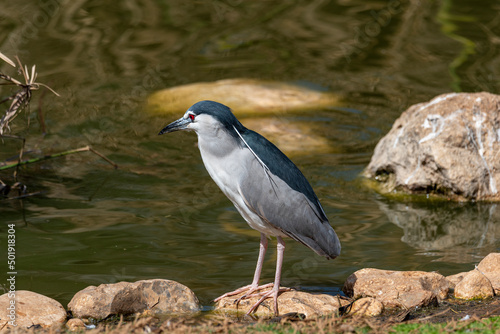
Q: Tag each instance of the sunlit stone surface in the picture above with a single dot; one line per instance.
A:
(447, 147)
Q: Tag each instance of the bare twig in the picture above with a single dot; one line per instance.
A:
(434, 315)
(56, 155)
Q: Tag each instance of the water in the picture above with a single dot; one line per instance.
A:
(160, 215)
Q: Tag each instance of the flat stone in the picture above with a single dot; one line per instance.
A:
(309, 304)
(474, 285)
(367, 307)
(156, 296)
(446, 147)
(397, 288)
(31, 310)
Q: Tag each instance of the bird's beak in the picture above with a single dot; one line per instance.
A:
(180, 124)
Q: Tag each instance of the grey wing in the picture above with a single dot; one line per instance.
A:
(289, 211)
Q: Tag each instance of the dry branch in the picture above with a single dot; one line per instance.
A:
(21, 98)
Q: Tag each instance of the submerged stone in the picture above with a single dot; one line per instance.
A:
(446, 147)
(244, 96)
(291, 137)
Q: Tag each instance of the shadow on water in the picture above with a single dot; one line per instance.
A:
(159, 215)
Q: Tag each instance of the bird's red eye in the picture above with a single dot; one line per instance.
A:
(191, 117)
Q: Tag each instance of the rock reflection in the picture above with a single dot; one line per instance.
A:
(454, 232)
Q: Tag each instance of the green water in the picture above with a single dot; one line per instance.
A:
(160, 215)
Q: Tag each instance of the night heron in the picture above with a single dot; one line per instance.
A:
(266, 187)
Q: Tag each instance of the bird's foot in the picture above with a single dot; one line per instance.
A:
(273, 293)
(249, 289)
(253, 292)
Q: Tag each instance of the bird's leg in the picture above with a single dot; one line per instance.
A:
(277, 279)
(255, 283)
(260, 261)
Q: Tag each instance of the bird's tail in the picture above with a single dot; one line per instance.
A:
(323, 241)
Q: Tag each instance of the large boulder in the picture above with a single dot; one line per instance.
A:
(309, 304)
(31, 310)
(448, 147)
(156, 296)
(396, 289)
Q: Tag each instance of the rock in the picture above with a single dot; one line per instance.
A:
(95, 302)
(163, 296)
(309, 304)
(446, 147)
(455, 279)
(248, 96)
(490, 264)
(397, 288)
(367, 306)
(474, 285)
(156, 296)
(75, 324)
(31, 310)
(490, 267)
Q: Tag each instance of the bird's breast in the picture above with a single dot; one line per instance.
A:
(223, 162)
(230, 169)
(226, 167)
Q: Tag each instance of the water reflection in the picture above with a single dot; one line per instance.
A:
(450, 231)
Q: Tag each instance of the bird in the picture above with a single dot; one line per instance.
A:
(266, 187)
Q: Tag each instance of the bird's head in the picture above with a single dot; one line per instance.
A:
(205, 116)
